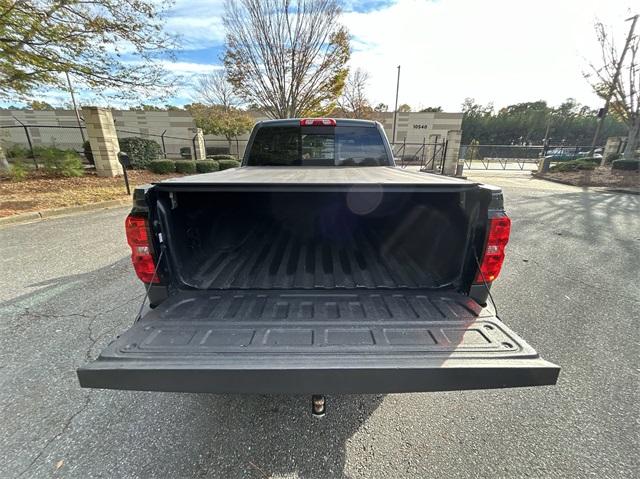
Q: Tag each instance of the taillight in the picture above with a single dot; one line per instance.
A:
(499, 230)
(136, 228)
(318, 122)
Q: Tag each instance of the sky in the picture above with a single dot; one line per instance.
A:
(500, 51)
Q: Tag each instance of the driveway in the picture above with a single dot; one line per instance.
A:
(569, 285)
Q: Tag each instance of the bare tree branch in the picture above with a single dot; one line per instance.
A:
(288, 57)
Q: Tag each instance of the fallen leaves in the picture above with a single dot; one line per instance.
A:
(39, 192)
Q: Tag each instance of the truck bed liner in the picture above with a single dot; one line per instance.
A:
(275, 258)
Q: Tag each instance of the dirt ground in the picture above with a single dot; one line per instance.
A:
(602, 176)
(39, 192)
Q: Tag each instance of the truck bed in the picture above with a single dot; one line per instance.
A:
(274, 258)
(348, 239)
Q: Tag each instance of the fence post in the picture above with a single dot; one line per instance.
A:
(26, 132)
(199, 151)
(164, 147)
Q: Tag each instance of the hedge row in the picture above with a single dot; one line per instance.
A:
(226, 164)
(165, 167)
(626, 165)
(574, 165)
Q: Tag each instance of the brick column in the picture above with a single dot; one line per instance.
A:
(103, 140)
(613, 145)
(454, 138)
(199, 151)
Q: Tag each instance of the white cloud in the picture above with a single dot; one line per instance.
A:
(501, 51)
(185, 68)
(199, 22)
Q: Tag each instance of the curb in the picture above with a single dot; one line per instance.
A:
(554, 180)
(622, 190)
(69, 210)
(601, 188)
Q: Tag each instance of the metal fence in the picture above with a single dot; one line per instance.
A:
(429, 156)
(519, 156)
(63, 137)
(173, 147)
(72, 137)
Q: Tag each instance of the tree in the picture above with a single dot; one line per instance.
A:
(108, 45)
(215, 89)
(353, 103)
(529, 123)
(287, 57)
(39, 105)
(381, 108)
(220, 120)
(431, 109)
(404, 108)
(146, 107)
(217, 112)
(617, 80)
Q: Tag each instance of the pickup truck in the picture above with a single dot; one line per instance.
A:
(317, 267)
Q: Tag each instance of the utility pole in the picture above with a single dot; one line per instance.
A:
(612, 88)
(395, 110)
(75, 107)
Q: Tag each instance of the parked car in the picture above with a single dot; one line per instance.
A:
(570, 153)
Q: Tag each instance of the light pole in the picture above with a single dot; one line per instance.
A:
(75, 107)
(395, 110)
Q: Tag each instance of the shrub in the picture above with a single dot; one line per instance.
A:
(18, 171)
(162, 167)
(57, 162)
(626, 165)
(17, 151)
(185, 166)
(222, 157)
(226, 164)
(573, 165)
(207, 166)
(70, 164)
(216, 150)
(86, 146)
(142, 151)
(591, 159)
(611, 157)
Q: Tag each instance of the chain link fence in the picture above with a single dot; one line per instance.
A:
(63, 137)
(72, 137)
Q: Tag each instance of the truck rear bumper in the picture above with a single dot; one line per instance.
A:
(267, 342)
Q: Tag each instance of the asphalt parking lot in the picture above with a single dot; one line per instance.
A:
(569, 286)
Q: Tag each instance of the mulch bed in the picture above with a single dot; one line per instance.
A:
(40, 192)
(602, 176)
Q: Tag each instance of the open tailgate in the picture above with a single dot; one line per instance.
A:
(324, 342)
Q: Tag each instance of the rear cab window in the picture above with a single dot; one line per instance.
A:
(318, 146)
